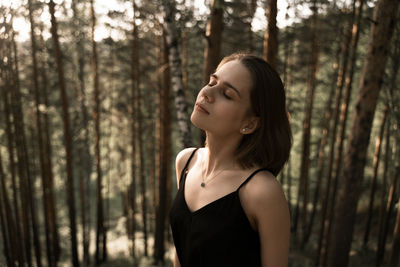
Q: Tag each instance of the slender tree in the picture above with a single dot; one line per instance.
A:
(24, 168)
(171, 35)
(325, 214)
(46, 184)
(67, 136)
(48, 153)
(5, 76)
(271, 34)
(165, 149)
(212, 50)
(394, 257)
(343, 223)
(7, 221)
(382, 205)
(374, 177)
(142, 179)
(101, 232)
(84, 157)
(311, 85)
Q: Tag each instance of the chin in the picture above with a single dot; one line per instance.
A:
(196, 121)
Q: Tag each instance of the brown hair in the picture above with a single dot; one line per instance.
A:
(269, 145)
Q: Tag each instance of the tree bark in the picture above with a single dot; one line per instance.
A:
(101, 232)
(305, 158)
(24, 168)
(212, 51)
(386, 209)
(271, 34)
(394, 257)
(165, 150)
(326, 205)
(48, 155)
(377, 156)
(382, 206)
(12, 166)
(46, 184)
(321, 152)
(67, 137)
(176, 72)
(7, 221)
(252, 6)
(83, 150)
(343, 223)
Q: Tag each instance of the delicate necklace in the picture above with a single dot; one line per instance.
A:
(203, 183)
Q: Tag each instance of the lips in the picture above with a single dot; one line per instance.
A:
(201, 108)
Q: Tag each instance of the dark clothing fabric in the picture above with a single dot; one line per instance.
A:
(218, 234)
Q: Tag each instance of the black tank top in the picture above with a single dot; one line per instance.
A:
(218, 234)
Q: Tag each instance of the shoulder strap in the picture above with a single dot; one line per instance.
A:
(251, 176)
(186, 165)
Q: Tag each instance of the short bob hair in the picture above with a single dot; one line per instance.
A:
(269, 145)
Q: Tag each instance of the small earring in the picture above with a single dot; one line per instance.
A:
(244, 129)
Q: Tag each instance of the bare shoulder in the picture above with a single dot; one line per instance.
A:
(264, 193)
(267, 208)
(265, 186)
(181, 159)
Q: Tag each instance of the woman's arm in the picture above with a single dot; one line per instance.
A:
(176, 260)
(180, 162)
(269, 209)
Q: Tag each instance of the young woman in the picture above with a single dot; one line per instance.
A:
(229, 209)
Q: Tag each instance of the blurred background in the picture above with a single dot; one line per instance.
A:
(95, 100)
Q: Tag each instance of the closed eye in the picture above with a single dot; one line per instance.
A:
(226, 96)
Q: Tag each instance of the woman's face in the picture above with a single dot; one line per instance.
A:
(223, 106)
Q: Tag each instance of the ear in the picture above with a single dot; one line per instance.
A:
(250, 125)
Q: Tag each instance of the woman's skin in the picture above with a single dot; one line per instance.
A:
(223, 110)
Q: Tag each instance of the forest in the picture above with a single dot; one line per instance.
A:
(95, 100)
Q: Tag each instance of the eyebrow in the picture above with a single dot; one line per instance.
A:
(227, 84)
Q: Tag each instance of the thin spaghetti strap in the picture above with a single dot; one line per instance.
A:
(251, 176)
(186, 165)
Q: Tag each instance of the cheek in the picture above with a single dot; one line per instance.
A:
(231, 114)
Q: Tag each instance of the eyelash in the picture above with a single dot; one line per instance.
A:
(224, 94)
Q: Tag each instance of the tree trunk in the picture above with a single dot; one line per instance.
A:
(212, 51)
(152, 157)
(305, 159)
(385, 212)
(48, 154)
(165, 149)
(321, 152)
(7, 229)
(101, 251)
(394, 257)
(11, 158)
(382, 205)
(176, 72)
(370, 83)
(142, 178)
(252, 6)
(23, 158)
(271, 34)
(132, 188)
(83, 154)
(325, 216)
(46, 185)
(343, 115)
(67, 137)
(376, 162)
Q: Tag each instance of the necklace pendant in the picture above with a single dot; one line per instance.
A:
(203, 184)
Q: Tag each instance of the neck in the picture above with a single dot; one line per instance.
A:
(220, 153)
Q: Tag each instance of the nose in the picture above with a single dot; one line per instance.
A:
(206, 93)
